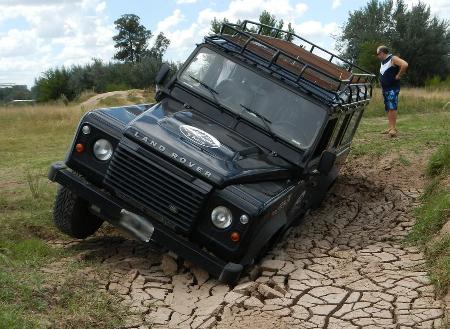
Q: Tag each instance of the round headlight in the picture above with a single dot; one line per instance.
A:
(103, 150)
(221, 217)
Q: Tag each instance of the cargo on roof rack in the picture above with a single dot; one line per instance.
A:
(332, 79)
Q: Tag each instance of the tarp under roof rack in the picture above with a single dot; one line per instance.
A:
(295, 61)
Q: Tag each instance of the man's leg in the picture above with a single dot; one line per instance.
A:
(386, 108)
(392, 117)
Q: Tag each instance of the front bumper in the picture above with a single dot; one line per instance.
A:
(143, 228)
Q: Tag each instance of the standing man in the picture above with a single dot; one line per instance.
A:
(391, 70)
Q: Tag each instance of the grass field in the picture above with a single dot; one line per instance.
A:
(33, 137)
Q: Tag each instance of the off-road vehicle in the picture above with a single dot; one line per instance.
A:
(244, 139)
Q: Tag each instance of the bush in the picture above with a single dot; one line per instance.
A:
(437, 83)
(98, 77)
(440, 161)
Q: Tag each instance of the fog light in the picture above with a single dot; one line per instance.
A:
(244, 219)
(79, 148)
(221, 217)
(103, 150)
(86, 130)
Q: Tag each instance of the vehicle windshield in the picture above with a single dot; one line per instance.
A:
(276, 109)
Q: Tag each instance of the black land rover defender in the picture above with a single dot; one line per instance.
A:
(245, 138)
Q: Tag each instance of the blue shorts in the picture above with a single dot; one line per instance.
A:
(390, 99)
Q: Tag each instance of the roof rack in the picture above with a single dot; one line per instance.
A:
(295, 61)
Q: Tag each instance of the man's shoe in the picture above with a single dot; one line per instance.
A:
(393, 133)
(386, 131)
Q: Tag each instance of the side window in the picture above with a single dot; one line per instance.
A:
(324, 141)
(337, 132)
(351, 128)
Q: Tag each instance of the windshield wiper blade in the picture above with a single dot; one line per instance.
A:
(264, 120)
(211, 90)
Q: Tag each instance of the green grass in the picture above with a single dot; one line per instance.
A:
(432, 215)
(423, 123)
(412, 101)
(439, 163)
(113, 101)
(438, 259)
(31, 138)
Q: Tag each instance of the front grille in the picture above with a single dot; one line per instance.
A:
(155, 190)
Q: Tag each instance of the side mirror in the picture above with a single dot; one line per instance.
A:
(326, 162)
(162, 74)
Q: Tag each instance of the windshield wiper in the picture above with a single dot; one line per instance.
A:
(211, 90)
(264, 120)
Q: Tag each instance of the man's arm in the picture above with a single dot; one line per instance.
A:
(402, 64)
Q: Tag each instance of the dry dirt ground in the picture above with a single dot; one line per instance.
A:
(120, 95)
(345, 266)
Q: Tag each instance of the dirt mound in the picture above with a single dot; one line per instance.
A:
(117, 98)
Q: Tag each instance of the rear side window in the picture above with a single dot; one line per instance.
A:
(337, 132)
(326, 137)
(351, 127)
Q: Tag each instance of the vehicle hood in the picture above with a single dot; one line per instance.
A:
(209, 150)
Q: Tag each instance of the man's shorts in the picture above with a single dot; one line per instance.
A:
(390, 99)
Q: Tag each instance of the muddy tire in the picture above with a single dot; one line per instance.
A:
(72, 216)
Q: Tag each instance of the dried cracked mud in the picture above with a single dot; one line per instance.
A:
(344, 266)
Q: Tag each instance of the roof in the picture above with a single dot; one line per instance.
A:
(333, 80)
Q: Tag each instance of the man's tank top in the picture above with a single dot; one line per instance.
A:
(388, 72)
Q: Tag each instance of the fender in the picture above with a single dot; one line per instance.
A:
(270, 228)
(320, 186)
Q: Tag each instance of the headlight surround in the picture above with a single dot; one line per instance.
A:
(103, 149)
(221, 217)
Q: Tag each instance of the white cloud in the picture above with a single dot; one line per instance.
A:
(181, 2)
(316, 29)
(336, 3)
(301, 8)
(58, 32)
(440, 8)
(183, 39)
(170, 21)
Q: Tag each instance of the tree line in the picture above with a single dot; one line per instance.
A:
(8, 94)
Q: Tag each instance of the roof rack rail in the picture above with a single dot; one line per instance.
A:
(259, 43)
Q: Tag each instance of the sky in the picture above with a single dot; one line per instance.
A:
(36, 35)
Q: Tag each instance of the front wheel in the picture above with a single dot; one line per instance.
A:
(71, 215)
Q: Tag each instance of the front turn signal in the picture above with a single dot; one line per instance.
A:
(235, 237)
(79, 148)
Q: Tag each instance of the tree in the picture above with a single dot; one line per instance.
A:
(132, 39)
(413, 34)
(52, 85)
(264, 18)
(159, 48)
(216, 25)
(369, 24)
(366, 57)
(14, 92)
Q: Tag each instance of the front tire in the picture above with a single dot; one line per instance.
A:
(71, 215)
